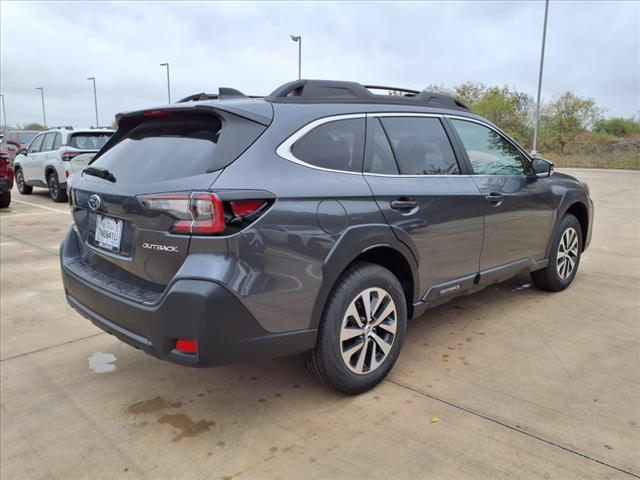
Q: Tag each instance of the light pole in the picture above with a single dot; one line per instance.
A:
(95, 99)
(4, 111)
(298, 39)
(168, 84)
(44, 114)
(544, 38)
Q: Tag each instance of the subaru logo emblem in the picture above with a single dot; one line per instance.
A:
(94, 202)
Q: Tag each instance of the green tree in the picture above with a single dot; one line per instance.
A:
(33, 126)
(564, 118)
(620, 127)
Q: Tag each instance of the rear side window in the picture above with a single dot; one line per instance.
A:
(420, 146)
(337, 145)
(176, 146)
(89, 140)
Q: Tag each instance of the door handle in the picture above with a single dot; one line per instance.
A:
(494, 198)
(404, 204)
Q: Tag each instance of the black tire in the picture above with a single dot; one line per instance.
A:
(56, 192)
(5, 199)
(23, 188)
(551, 277)
(326, 359)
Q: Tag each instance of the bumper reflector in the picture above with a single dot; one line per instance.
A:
(186, 346)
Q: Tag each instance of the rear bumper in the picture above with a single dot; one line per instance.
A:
(193, 309)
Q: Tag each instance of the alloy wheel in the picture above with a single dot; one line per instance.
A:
(368, 330)
(568, 252)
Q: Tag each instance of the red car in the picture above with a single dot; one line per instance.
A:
(14, 140)
(6, 177)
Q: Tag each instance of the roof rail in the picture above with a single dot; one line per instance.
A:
(318, 91)
(61, 127)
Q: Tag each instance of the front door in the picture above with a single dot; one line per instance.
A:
(518, 207)
(423, 194)
(29, 162)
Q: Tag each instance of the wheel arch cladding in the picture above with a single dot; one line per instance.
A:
(580, 211)
(375, 244)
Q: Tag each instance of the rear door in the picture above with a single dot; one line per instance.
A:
(427, 198)
(46, 152)
(518, 209)
(155, 162)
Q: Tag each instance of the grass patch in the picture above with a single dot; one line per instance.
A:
(615, 160)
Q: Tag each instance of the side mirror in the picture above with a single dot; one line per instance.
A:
(22, 151)
(541, 168)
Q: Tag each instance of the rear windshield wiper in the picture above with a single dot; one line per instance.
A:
(100, 173)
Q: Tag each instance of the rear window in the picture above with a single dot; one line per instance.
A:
(89, 140)
(176, 146)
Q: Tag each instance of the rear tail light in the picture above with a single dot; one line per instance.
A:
(204, 213)
(195, 213)
(67, 155)
(244, 208)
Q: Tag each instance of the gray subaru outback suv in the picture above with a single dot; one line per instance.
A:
(316, 220)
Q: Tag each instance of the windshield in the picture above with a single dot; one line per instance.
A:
(89, 140)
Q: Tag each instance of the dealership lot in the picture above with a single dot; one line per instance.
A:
(508, 383)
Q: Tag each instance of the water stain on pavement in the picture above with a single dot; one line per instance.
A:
(188, 427)
(101, 362)
(149, 406)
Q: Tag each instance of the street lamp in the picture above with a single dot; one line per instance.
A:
(544, 38)
(168, 84)
(4, 111)
(298, 39)
(95, 99)
(44, 114)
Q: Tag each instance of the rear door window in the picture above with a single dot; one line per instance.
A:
(420, 146)
(179, 145)
(47, 144)
(337, 145)
(382, 159)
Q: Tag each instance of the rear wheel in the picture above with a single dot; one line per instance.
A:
(56, 192)
(564, 259)
(23, 188)
(362, 330)
(5, 199)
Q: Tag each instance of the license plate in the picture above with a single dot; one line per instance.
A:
(108, 233)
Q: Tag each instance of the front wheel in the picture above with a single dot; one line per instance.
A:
(56, 192)
(564, 258)
(362, 330)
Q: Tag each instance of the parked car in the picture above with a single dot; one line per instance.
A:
(14, 140)
(318, 219)
(47, 161)
(6, 177)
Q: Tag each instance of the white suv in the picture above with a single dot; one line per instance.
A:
(46, 162)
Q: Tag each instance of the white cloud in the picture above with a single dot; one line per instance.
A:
(593, 49)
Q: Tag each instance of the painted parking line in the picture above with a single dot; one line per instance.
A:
(57, 210)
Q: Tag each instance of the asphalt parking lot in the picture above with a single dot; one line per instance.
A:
(508, 383)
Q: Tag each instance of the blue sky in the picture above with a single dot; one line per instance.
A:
(593, 49)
